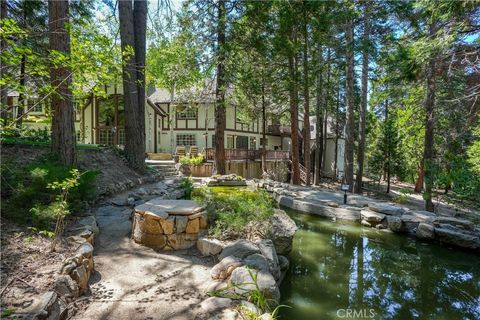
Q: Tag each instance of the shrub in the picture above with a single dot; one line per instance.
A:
(187, 186)
(232, 211)
(25, 189)
(195, 161)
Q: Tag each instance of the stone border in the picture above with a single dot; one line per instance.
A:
(423, 225)
(72, 279)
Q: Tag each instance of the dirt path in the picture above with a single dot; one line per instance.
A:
(135, 282)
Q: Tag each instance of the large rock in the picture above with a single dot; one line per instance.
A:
(458, 237)
(209, 246)
(282, 230)
(225, 267)
(459, 223)
(213, 304)
(193, 226)
(268, 251)
(394, 223)
(168, 225)
(372, 217)
(411, 219)
(257, 261)
(90, 223)
(425, 231)
(180, 241)
(51, 308)
(386, 208)
(240, 249)
(66, 287)
(243, 279)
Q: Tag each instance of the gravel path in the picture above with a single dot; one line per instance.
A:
(135, 282)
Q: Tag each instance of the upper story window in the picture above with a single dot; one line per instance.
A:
(187, 114)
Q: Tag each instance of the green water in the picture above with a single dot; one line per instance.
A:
(344, 271)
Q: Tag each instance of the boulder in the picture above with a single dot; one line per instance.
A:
(385, 208)
(282, 230)
(66, 287)
(458, 237)
(225, 267)
(131, 201)
(459, 223)
(181, 223)
(243, 279)
(240, 249)
(85, 250)
(80, 275)
(90, 223)
(411, 219)
(209, 246)
(284, 263)
(51, 308)
(257, 261)
(425, 231)
(394, 223)
(213, 304)
(268, 251)
(372, 217)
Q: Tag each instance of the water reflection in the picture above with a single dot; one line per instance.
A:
(340, 266)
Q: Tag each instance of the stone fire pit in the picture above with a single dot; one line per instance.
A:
(168, 224)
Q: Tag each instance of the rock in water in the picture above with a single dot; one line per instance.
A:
(282, 229)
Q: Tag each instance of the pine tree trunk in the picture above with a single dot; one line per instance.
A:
(132, 17)
(21, 96)
(337, 132)
(293, 118)
(325, 109)
(363, 106)
(3, 65)
(428, 153)
(63, 129)
(419, 182)
(318, 119)
(349, 145)
(220, 115)
(306, 103)
(264, 125)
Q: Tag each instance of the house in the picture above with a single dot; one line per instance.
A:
(186, 120)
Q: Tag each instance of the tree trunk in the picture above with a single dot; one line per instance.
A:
(363, 106)
(389, 146)
(3, 65)
(293, 119)
(132, 17)
(349, 145)
(325, 109)
(220, 115)
(337, 132)
(21, 96)
(419, 183)
(306, 102)
(429, 127)
(264, 125)
(319, 122)
(63, 129)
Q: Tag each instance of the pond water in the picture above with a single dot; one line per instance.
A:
(344, 271)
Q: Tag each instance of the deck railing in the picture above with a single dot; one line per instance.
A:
(245, 154)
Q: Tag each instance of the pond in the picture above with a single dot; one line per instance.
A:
(344, 271)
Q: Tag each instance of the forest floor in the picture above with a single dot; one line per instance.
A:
(135, 282)
(28, 268)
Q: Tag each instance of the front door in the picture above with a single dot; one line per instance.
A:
(110, 120)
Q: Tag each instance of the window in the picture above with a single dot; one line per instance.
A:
(186, 140)
(78, 135)
(187, 113)
(253, 143)
(242, 142)
(35, 105)
(230, 139)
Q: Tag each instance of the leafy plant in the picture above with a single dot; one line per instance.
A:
(187, 186)
(195, 161)
(60, 206)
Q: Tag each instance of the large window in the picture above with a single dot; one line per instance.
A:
(230, 144)
(35, 105)
(187, 113)
(186, 140)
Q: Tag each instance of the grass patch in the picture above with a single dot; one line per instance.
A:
(231, 209)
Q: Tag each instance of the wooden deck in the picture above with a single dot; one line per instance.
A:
(245, 154)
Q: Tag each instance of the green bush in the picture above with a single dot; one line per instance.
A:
(187, 186)
(195, 161)
(233, 210)
(24, 134)
(26, 196)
